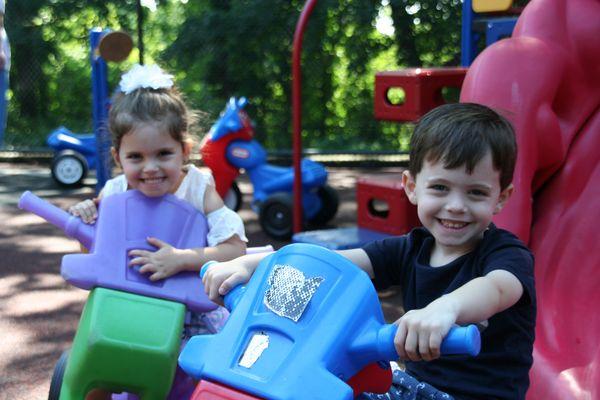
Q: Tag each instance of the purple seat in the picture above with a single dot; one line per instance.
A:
(125, 221)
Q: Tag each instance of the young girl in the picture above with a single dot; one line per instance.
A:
(149, 123)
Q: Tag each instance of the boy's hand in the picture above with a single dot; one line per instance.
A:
(220, 278)
(420, 332)
(162, 263)
(87, 210)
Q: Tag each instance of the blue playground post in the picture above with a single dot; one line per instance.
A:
(100, 105)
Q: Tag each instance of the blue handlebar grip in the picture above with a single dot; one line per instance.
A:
(232, 298)
(205, 267)
(464, 340)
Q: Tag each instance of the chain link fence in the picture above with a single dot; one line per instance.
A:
(49, 86)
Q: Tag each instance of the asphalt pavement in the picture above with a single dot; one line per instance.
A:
(39, 311)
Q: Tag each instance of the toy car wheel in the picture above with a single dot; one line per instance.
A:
(57, 376)
(233, 197)
(276, 215)
(69, 168)
(329, 205)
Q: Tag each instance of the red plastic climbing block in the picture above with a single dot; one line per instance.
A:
(422, 89)
(383, 206)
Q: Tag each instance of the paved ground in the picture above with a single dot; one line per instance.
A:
(39, 311)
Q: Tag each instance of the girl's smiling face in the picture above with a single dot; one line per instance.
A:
(455, 206)
(152, 160)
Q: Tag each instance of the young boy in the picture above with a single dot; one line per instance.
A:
(458, 268)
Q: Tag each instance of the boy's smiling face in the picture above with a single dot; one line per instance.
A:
(455, 206)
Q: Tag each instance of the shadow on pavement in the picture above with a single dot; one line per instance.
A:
(39, 312)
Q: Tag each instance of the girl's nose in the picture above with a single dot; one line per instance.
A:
(151, 166)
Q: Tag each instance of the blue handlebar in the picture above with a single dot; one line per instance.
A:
(232, 298)
(463, 340)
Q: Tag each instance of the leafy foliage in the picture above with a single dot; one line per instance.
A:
(223, 48)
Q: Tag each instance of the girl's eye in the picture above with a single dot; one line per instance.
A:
(165, 153)
(134, 156)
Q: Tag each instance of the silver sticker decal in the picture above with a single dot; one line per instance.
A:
(258, 344)
(290, 291)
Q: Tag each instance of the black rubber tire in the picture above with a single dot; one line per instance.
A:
(276, 216)
(57, 376)
(233, 197)
(69, 168)
(330, 202)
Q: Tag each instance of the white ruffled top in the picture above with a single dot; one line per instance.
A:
(222, 223)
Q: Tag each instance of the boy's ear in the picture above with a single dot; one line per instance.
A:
(503, 198)
(408, 181)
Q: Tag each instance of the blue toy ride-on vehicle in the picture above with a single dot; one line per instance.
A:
(74, 156)
(230, 148)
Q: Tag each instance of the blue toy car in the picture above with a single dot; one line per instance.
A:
(74, 156)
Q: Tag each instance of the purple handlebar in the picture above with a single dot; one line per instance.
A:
(72, 226)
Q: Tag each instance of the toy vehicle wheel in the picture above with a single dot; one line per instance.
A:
(329, 205)
(276, 215)
(69, 168)
(57, 376)
(233, 197)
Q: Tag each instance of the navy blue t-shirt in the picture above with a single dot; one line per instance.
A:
(501, 370)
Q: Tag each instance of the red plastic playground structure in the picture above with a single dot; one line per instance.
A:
(546, 80)
(547, 76)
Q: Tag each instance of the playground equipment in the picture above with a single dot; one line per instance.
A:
(307, 322)
(74, 156)
(492, 19)
(546, 78)
(424, 85)
(130, 330)
(230, 147)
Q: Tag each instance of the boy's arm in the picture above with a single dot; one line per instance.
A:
(222, 277)
(360, 258)
(219, 279)
(420, 332)
(482, 297)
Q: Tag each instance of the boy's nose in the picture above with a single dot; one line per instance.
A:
(456, 204)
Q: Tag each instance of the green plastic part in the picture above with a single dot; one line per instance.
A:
(124, 343)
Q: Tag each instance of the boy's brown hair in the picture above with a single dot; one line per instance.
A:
(461, 134)
(165, 107)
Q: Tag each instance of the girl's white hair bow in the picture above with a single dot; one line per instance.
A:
(145, 76)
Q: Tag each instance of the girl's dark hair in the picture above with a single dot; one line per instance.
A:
(462, 134)
(164, 107)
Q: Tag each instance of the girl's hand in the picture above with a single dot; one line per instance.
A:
(87, 210)
(162, 263)
(420, 332)
(220, 278)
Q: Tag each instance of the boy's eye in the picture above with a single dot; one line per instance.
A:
(164, 153)
(438, 188)
(134, 156)
(477, 192)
